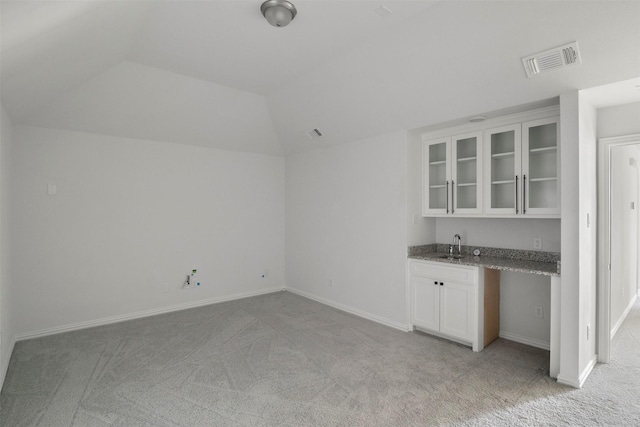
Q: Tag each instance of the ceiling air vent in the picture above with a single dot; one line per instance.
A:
(552, 59)
(313, 134)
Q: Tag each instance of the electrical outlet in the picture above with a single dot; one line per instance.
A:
(537, 311)
(331, 283)
(537, 243)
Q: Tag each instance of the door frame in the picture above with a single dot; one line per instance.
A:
(605, 145)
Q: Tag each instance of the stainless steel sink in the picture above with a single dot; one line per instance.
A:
(451, 256)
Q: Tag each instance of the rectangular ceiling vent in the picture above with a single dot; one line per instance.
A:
(552, 59)
(313, 135)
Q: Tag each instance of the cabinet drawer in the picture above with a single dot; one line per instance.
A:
(443, 272)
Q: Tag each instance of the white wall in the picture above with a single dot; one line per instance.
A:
(130, 219)
(131, 100)
(7, 314)
(570, 334)
(512, 233)
(578, 288)
(519, 294)
(346, 223)
(619, 120)
(588, 207)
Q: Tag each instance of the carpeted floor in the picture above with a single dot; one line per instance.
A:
(283, 360)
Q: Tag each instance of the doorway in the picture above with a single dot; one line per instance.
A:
(619, 228)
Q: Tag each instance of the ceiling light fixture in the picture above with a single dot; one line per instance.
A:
(278, 12)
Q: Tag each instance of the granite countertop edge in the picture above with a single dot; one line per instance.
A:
(543, 263)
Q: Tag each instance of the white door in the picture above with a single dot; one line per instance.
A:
(466, 173)
(541, 167)
(425, 305)
(503, 180)
(457, 310)
(625, 174)
(436, 176)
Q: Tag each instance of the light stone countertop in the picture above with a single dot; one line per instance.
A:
(533, 262)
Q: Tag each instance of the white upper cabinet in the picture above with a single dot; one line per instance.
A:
(506, 167)
(452, 172)
(541, 167)
(523, 178)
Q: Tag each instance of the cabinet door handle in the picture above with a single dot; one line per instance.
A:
(516, 194)
(524, 194)
(441, 284)
(453, 199)
(447, 196)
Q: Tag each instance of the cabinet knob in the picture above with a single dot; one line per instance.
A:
(435, 283)
(441, 284)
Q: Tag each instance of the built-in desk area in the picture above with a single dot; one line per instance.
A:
(432, 275)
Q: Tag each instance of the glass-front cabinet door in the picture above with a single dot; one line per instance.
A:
(540, 166)
(436, 170)
(503, 180)
(466, 176)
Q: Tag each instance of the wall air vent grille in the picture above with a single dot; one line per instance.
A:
(552, 59)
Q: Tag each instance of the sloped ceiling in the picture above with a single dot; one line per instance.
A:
(214, 73)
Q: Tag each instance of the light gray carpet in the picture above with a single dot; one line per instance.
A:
(283, 360)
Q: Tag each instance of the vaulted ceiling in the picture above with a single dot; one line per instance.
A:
(215, 73)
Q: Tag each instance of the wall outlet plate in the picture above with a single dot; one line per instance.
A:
(538, 312)
(537, 243)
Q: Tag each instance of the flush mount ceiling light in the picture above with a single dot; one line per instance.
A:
(278, 12)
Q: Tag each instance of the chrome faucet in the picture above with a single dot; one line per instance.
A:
(456, 237)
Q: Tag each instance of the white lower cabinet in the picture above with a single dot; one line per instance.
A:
(425, 303)
(445, 301)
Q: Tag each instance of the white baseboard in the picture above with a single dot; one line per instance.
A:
(579, 382)
(352, 310)
(5, 363)
(620, 321)
(141, 314)
(524, 340)
(570, 381)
